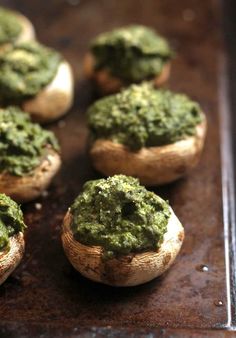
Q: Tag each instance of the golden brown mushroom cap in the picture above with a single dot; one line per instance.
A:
(28, 187)
(10, 258)
(152, 165)
(55, 99)
(127, 270)
(109, 84)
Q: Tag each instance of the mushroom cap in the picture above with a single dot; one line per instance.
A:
(126, 270)
(108, 84)
(55, 99)
(152, 165)
(28, 32)
(26, 188)
(10, 258)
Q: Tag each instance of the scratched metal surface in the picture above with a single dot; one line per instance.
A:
(45, 291)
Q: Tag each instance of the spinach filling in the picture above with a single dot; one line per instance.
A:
(142, 116)
(25, 69)
(11, 220)
(10, 26)
(132, 53)
(119, 215)
(22, 143)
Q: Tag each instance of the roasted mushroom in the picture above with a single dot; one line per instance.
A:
(29, 156)
(37, 79)
(14, 27)
(155, 135)
(12, 242)
(128, 55)
(120, 234)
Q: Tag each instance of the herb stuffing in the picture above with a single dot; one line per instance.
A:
(11, 220)
(142, 116)
(10, 26)
(132, 53)
(25, 69)
(119, 215)
(22, 143)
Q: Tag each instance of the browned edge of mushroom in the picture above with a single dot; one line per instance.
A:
(55, 99)
(127, 270)
(152, 165)
(11, 257)
(109, 84)
(28, 187)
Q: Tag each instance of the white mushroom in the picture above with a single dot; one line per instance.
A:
(126, 270)
(28, 32)
(11, 256)
(152, 165)
(107, 83)
(28, 187)
(55, 99)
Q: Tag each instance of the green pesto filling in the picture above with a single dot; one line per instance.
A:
(11, 220)
(10, 27)
(142, 116)
(132, 53)
(25, 69)
(119, 215)
(22, 143)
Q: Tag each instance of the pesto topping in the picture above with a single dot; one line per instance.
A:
(119, 215)
(25, 69)
(132, 53)
(142, 116)
(22, 143)
(11, 220)
(10, 26)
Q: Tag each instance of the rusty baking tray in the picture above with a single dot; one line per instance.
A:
(45, 296)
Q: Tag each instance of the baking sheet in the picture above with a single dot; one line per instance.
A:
(45, 294)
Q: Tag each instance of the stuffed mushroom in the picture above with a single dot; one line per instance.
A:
(155, 135)
(12, 242)
(37, 79)
(118, 233)
(29, 156)
(128, 55)
(14, 27)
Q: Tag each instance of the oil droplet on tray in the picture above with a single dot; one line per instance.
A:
(38, 206)
(202, 268)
